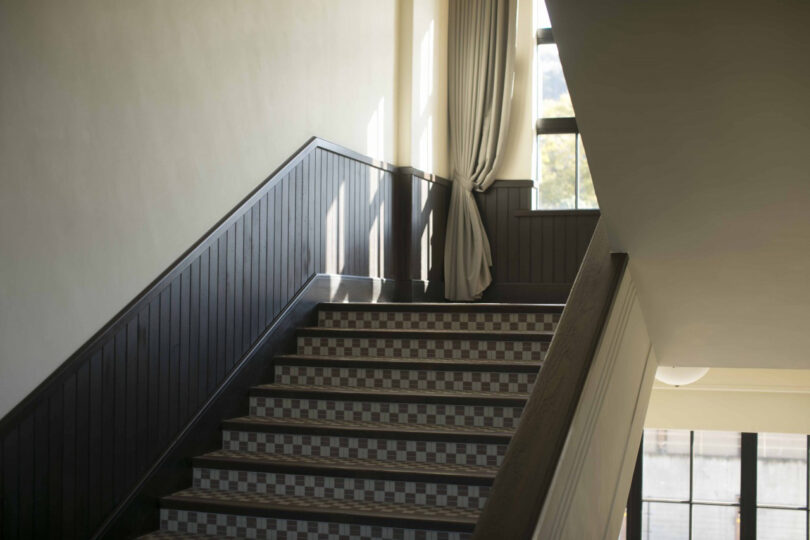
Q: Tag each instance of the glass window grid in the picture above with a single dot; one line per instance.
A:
(545, 37)
(636, 499)
(691, 501)
(806, 507)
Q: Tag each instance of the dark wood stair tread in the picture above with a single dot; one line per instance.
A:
(450, 364)
(347, 466)
(414, 333)
(176, 535)
(374, 430)
(392, 395)
(323, 509)
(442, 307)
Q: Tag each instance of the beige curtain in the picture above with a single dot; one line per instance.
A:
(480, 77)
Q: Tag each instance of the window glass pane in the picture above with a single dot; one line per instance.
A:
(553, 92)
(781, 524)
(782, 469)
(664, 521)
(557, 170)
(587, 195)
(715, 522)
(717, 467)
(666, 464)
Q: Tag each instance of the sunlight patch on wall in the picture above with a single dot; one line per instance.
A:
(374, 231)
(375, 132)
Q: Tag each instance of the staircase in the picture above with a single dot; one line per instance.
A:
(390, 421)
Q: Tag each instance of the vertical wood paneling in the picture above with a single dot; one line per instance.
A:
(193, 357)
(69, 509)
(101, 423)
(236, 279)
(535, 248)
(82, 447)
(41, 472)
(11, 499)
(26, 478)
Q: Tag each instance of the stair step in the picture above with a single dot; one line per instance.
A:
(223, 503)
(176, 535)
(357, 428)
(401, 443)
(439, 316)
(420, 334)
(388, 406)
(214, 525)
(439, 307)
(344, 466)
(332, 478)
(444, 364)
(400, 395)
(413, 377)
(520, 346)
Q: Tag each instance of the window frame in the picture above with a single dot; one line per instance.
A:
(554, 126)
(748, 505)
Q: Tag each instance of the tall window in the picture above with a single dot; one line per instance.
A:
(719, 485)
(563, 177)
(782, 486)
(691, 483)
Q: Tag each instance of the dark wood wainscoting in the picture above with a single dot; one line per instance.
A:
(75, 450)
(535, 253)
(429, 197)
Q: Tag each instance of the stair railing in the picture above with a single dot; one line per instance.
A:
(523, 481)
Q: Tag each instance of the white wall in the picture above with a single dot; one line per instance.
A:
(589, 490)
(129, 128)
(422, 86)
(752, 400)
(422, 137)
(696, 122)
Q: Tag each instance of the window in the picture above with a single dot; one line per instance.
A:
(719, 485)
(562, 173)
(781, 486)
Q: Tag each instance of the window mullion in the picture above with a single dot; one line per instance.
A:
(748, 486)
(576, 170)
(691, 477)
(633, 523)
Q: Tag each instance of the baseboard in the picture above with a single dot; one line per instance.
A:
(138, 513)
(534, 293)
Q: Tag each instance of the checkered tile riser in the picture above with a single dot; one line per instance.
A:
(356, 489)
(414, 379)
(402, 450)
(232, 526)
(423, 348)
(385, 412)
(516, 322)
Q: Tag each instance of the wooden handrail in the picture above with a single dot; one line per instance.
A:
(523, 481)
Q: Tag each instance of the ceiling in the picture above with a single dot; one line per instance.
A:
(695, 117)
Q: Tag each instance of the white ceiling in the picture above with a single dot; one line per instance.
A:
(695, 117)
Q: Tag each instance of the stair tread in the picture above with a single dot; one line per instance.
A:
(234, 457)
(382, 427)
(161, 534)
(236, 502)
(416, 363)
(390, 393)
(412, 333)
(441, 307)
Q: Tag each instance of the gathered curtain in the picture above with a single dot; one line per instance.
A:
(481, 49)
